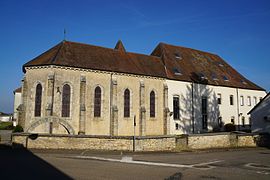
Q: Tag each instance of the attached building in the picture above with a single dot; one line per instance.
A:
(260, 116)
(79, 88)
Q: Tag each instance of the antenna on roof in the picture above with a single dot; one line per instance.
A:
(64, 34)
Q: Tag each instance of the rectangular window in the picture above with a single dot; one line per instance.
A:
(231, 99)
(255, 100)
(176, 126)
(219, 98)
(241, 100)
(243, 121)
(232, 119)
(204, 113)
(176, 114)
(249, 101)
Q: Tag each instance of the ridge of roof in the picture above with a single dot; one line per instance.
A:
(192, 49)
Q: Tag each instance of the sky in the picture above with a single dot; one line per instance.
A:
(236, 30)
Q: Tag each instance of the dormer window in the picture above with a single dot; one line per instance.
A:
(177, 71)
(178, 55)
(243, 82)
(225, 78)
(220, 64)
(214, 76)
(202, 76)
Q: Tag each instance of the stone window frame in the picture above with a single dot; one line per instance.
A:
(126, 109)
(131, 113)
(150, 98)
(231, 98)
(178, 96)
(63, 114)
(33, 95)
(241, 100)
(156, 104)
(249, 101)
(93, 102)
(37, 112)
(219, 98)
(71, 100)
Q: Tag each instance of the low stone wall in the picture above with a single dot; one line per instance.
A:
(121, 143)
(146, 143)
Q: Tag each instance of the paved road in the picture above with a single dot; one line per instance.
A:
(232, 164)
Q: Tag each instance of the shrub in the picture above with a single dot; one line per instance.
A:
(229, 127)
(6, 126)
(18, 128)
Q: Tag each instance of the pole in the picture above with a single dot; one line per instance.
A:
(134, 137)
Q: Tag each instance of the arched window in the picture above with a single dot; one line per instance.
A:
(152, 104)
(97, 102)
(38, 100)
(66, 101)
(126, 103)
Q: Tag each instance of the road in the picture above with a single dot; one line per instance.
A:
(251, 163)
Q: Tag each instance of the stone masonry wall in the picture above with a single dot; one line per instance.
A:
(143, 143)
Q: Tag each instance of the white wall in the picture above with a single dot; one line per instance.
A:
(258, 120)
(17, 102)
(214, 110)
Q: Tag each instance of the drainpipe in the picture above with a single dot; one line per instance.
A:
(111, 125)
(237, 99)
(192, 107)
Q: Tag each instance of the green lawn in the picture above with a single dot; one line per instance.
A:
(6, 126)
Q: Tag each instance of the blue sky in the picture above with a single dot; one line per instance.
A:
(237, 30)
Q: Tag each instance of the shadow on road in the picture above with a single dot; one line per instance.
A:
(20, 163)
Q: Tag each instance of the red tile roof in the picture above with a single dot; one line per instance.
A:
(201, 67)
(166, 61)
(18, 90)
(99, 58)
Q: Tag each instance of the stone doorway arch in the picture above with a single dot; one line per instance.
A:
(52, 119)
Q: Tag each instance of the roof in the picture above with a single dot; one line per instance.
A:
(257, 105)
(79, 55)
(166, 61)
(188, 64)
(18, 90)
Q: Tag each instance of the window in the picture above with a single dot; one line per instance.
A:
(127, 103)
(177, 71)
(202, 76)
(232, 119)
(241, 100)
(255, 100)
(176, 114)
(97, 102)
(231, 99)
(214, 76)
(178, 55)
(220, 64)
(176, 126)
(152, 104)
(243, 121)
(38, 100)
(225, 78)
(249, 101)
(204, 113)
(220, 121)
(219, 98)
(66, 101)
(243, 82)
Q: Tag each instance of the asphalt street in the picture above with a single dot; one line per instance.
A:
(251, 163)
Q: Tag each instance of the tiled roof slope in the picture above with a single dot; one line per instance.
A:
(163, 61)
(79, 55)
(201, 67)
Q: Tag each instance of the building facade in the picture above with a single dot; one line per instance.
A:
(83, 89)
(260, 116)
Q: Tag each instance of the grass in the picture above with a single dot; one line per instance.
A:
(6, 125)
